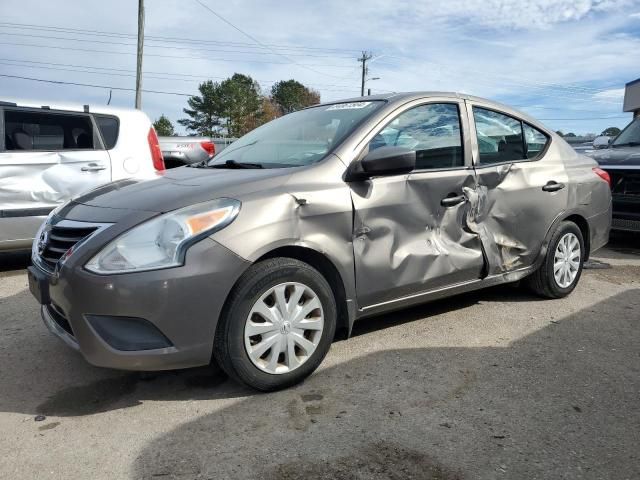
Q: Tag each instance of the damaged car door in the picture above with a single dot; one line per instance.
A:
(46, 157)
(521, 187)
(409, 229)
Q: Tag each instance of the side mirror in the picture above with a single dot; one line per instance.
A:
(381, 162)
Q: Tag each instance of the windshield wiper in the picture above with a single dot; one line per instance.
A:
(202, 164)
(234, 164)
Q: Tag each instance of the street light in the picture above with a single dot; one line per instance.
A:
(371, 79)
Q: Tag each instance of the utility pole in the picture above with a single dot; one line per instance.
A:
(140, 47)
(365, 56)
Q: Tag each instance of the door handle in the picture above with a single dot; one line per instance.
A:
(452, 201)
(93, 167)
(553, 186)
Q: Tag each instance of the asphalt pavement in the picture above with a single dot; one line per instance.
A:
(489, 385)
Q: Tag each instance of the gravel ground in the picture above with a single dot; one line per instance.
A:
(494, 384)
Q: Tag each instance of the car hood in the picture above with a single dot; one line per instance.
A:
(181, 187)
(617, 157)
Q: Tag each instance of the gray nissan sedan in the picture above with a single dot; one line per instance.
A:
(263, 255)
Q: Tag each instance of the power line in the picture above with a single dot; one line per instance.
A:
(182, 94)
(148, 74)
(147, 45)
(90, 50)
(166, 39)
(61, 82)
(77, 84)
(255, 40)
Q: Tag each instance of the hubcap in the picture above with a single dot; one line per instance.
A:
(283, 328)
(566, 261)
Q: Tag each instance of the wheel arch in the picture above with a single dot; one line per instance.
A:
(330, 272)
(583, 225)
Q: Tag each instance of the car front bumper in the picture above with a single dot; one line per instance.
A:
(155, 320)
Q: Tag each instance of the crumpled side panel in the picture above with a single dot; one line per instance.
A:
(511, 213)
(45, 179)
(314, 213)
(406, 242)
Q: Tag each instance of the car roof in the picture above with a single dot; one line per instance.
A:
(66, 106)
(399, 98)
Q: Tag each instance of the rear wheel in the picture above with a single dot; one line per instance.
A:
(277, 326)
(560, 272)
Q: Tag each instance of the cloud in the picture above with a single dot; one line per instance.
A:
(610, 94)
(518, 14)
(548, 57)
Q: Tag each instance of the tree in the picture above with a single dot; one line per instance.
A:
(559, 132)
(291, 95)
(204, 110)
(570, 134)
(270, 110)
(611, 132)
(241, 104)
(164, 127)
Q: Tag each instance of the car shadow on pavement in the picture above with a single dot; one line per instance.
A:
(42, 376)
(47, 378)
(14, 261)
(561, 402)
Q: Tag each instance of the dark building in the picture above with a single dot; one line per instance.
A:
(632, 98)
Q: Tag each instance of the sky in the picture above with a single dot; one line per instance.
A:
(565, 62)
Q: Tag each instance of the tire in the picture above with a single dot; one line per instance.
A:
(543, 281)
(259, 287)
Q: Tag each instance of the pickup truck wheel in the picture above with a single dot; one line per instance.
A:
(560, 272)
(277, 325)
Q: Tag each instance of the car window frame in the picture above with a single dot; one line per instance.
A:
(106, 115)
(97, 138)
(474, 135)
(362, 147)
(2, 139)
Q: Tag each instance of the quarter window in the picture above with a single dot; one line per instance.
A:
(432, 131)
(109, 128)
(47, 131)
(535, 140)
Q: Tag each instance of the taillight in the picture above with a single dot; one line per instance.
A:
(209, 147)
(154, 147)
(603, 175)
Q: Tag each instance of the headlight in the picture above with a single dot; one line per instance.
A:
(162, 241)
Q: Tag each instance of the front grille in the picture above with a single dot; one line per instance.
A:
(625, 183)
(56, 240)
(624, 224)
(58, 316)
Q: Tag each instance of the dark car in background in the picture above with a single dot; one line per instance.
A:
(180, 151)
(622, 162)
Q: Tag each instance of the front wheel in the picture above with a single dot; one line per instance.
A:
(559, 273)
(277, 325)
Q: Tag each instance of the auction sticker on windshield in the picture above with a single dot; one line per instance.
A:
(348, 106)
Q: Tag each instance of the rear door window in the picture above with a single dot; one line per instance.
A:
(109, 128)
(500, 137)
(43, 131)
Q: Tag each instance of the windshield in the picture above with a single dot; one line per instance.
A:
(630, 136)
(297, 139)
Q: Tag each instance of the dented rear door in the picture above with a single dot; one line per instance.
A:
(47, 157)
(521, 187)
(409, 230)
